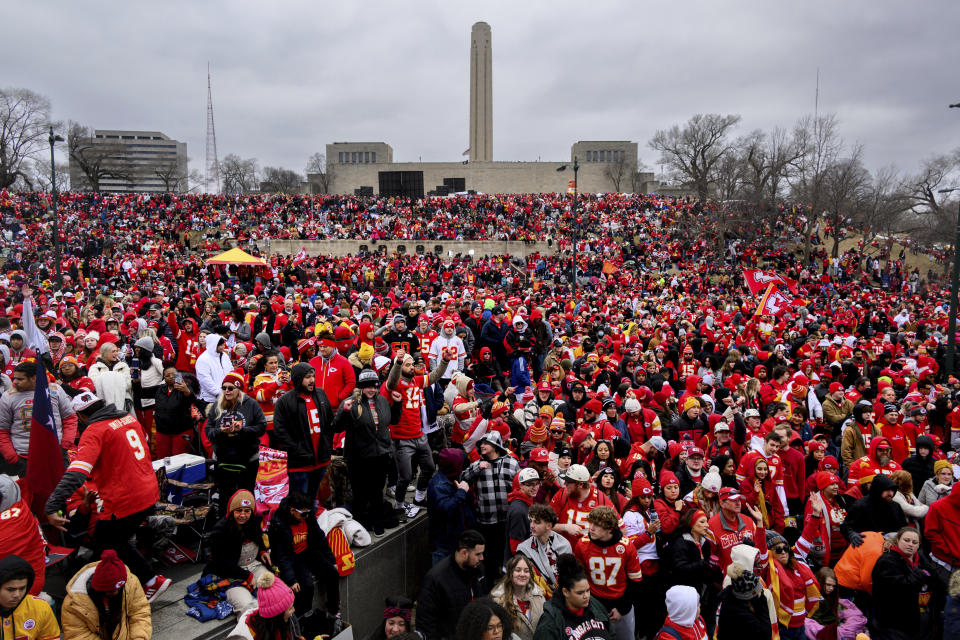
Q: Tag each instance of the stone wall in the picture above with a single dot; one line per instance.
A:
(480, 248)
(485, 177)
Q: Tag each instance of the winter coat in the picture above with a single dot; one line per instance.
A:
(525, 626)
(239, 447)
(689, 564)
(446, 590)
(920, 468)
(282, 555)
(171, 410)
(559, 623)
(226, 542)
(364, 439)
(449, 513)
(291, 429)
(743, 619)
(212, 368)
(897, 588)
(912, 508)
(942, 527)
(929, 493)
(873, 513)
(113, 383)
(81, 620)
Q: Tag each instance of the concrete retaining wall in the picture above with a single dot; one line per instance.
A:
(480, 248)
(392, 565)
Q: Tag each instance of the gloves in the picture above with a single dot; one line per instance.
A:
(855, 539)
(942, 489)
(486, 408)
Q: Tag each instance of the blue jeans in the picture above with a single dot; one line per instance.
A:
(306, 482)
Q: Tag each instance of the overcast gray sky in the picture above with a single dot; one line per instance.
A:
(289, 77)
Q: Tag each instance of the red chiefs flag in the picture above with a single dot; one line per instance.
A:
(758, 281)
(774, 302)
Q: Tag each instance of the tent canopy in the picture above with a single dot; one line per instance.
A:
(237, 256)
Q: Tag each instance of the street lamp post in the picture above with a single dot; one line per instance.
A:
(576, 225)
(954, 281)
(53, 139)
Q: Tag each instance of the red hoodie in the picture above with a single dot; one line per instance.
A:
(188, 343)
(942, 527)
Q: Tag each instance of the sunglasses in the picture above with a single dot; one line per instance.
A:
(227, 387)
(303, 512)
(780, 549)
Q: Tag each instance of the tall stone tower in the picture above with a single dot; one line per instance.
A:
(481, 94)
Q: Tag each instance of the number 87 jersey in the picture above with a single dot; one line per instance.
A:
(113, 453)
(609, 565)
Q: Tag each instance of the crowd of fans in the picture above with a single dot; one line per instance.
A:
(647, 457)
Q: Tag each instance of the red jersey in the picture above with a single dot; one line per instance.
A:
(426, 339)
(609, 565)
(20, 535)
(570, 511)
(899, 444)
(749, 460)
(726, 536)
(410, 425)
(188, 345)
(114, 455)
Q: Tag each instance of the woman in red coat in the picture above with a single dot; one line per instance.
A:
(758, 490)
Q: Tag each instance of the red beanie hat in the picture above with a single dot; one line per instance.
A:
(594, 405)
(640, 487)
(110, 573)
(667, 478)
(825, 479)
(236, 380)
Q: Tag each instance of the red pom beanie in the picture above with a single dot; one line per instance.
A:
(110, 573)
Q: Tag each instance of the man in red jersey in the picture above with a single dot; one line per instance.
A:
(20, 533)
(405, 388)
(730, 528)
(611, 564)
(113, 454)
(575, 502)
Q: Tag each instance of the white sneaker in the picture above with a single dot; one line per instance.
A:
(420, 496)
(412, 510)
(392, 492)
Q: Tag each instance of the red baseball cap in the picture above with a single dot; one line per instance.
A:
(729, 493)
(539, 455)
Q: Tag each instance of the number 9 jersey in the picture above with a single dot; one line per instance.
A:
(113, 453)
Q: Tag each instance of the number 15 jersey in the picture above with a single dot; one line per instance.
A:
(410, 425)
(114, 454)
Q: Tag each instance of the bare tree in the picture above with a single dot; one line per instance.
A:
(820, 145)
(694, 150)
(282, 180)
(40, 174)
(846, 191)
(320, 173)
(617, 171)
(96, 159)
(171, 173)
(922, 191)
(24, 118)
(238, 175)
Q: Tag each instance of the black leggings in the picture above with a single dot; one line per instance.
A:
(326, 577)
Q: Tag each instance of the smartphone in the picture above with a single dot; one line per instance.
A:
(135, 368)
(178, 378)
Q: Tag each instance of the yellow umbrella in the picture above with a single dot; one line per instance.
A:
(237, 256)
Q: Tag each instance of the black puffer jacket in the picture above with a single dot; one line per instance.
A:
(743, 619)
(897, 589)
(873, 513)
(236, 447)
(281, 542)
(226, 541)
(291, 428)
(364, 438)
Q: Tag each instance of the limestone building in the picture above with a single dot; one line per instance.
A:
(367, 168)
(142, 162)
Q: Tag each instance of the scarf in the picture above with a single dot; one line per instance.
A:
(913, 560)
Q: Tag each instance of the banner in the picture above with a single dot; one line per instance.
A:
(757, 281)
(44, 460)
(774, 302)
(272, 484)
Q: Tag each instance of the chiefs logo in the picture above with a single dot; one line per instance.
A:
(621, 548)
(592, 504)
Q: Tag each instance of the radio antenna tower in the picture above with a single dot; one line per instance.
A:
(211, 174)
